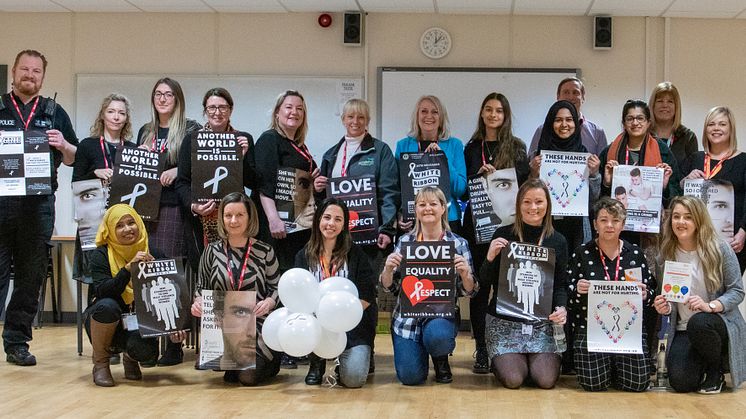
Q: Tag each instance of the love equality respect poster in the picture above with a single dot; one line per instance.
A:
(428, 287)
(359, 194)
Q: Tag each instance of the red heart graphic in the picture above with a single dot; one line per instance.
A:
(414, 291)
(667, 288)
(353, 217)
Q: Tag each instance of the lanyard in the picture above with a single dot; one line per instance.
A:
(344, 158)
(710, 173)
(671, 141)
(324, 272)
(626, 155)
(20, 115)
(303, 151)
(105, 153)
(229, 262)
(155, 141)
(603, 262)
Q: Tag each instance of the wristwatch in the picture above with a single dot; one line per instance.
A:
(713, 306)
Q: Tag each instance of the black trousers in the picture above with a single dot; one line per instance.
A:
(702, 348)
(107, 310)
(478, 303)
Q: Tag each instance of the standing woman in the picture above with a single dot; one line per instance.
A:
(239, 262)
(516, 355)
(430, 132)
(665, 122)
(330, 252)
(492, 147)
(721, 160)
(417, 339)
(283, 146)
(709, 331)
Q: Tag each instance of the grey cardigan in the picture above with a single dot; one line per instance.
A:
(730, 296)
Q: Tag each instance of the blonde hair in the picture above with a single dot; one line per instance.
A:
(356, 106)
(429, 192)
(665, 88)
(708, 248)
(714, 113)
(444, 127)
(300, 134)
(98, 126)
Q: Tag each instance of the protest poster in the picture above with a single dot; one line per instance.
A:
(294, 198)
(720, 199)
(162, 298)
(677, 281)
(217, 166)
(492, 202)
(136, 181)
(417, 170)
(428, 287)
(25, 163)
(90, 199)
(640, 190)
(566, 177)
(228, 332)
(359, 194)
(614, 317)
(526, 284)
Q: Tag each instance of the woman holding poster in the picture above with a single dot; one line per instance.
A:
(417, 339)
(239, 262)
(708, 328)
(331, 253)
(520, 348)
(608, 258)
(492, 147)
(721, 160)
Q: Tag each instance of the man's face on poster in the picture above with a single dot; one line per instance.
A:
(89, 201)
(502, 191)
(303, 199)
(720, 207)
(238, 323)
(622, 197)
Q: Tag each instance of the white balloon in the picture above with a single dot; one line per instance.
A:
(299, 334)
(271, 328)
(337, 283)
(339, 311)
(299, 290)
(331, 344)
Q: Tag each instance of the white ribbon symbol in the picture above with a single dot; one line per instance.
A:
(220, 174)
(411, 169)
(139, 190)
(142, 271)
(417, 288)
(513, 248)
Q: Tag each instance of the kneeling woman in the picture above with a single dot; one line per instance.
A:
(122, 242)
(515, 353)
(416, 338)
(708, 329)
(239, 262)
(332, 253)
(607, 258)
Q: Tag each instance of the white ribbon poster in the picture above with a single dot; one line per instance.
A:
(566, 177)
(614, 317)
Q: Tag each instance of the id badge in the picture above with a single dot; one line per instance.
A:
(129, 321)
(527, 329)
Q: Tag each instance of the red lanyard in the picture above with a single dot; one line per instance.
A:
(303, 151)
(20, 115)
(229, 262)
(626, 156)
(603, 262)
(106, 154)
(324, 272)
(344, 159)
(155, 140)
(710, 173)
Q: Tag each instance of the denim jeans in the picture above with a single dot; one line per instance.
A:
(353, 366)
(411, 358)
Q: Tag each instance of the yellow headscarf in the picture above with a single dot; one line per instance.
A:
(120, 255)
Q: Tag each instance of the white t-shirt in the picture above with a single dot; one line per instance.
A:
(698, 286)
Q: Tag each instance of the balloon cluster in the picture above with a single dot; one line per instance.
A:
(315, 317)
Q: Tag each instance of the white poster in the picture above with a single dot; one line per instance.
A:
(677, 281)
(640, 190)
(614, 317)
(720, 199)
(566, 177)
(228, 333)
(346, 90)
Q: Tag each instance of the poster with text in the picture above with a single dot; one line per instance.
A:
(417, 170)
(677, 281)
(162, 298)
(614, 317)
(90, 199)
(137, 181)
(720, 199)
(294, 198)
(217, 166)
(526, 284)
(428, 287)
(228, 332)
(359, 193)
(566, 177)
(640, 190)
(492, 198)
(25, 163)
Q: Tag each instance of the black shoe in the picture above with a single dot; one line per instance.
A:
(115, 359)
(173, 355)
(231, 376)
(315, 370)
(568, 370)
(21, 356)
(303, 360)
(442, 370)
(372, 367)
(481, 362)
(287, 362)
(149, 364)
(713, 385)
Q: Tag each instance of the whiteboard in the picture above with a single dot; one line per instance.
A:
(461, 90)
(253, 96)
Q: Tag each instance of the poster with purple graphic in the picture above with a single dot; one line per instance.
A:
(614, 317)
(566, 177)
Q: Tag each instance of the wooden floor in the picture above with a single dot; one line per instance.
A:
(60, 386)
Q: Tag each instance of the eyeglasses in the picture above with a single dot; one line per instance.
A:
(639, 118)
(222, 108)
(169, 96)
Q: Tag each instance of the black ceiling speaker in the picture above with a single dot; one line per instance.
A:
(602, 32)
(353, 29)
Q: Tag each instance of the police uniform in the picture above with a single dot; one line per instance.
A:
(26, 222)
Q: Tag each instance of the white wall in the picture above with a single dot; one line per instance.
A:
(703, 57)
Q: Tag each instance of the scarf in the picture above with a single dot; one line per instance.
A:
(650, 154)
(549, 140)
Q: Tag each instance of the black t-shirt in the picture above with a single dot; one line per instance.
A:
(90, 157)
(274, 151)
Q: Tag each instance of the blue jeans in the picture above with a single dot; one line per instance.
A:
(411, 357)
(353, 366)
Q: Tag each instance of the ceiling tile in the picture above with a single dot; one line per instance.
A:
(474, 6)
(320, 5)
(551, 7)
(30, 6)
(398, 6)
(243, 6)
(630, 7)
(694, 8)
(179, 6)
(106, 6)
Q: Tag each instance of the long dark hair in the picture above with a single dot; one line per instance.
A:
(508, 146)
(315, 247)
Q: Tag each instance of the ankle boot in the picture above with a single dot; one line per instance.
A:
(442, 369)
(131, 368)
(101, 337)
(316, 368)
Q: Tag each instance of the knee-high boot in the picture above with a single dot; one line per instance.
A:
(101, 337)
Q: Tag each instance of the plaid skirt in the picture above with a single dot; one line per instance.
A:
(167, 234)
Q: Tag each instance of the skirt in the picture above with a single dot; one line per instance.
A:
(167, 234)
(506, 337)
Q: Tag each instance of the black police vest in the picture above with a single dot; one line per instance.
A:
(43, 118)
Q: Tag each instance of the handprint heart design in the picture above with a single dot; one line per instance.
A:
(564, 187)
(615, 320)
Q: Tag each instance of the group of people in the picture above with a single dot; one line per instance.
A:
(243, 243)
